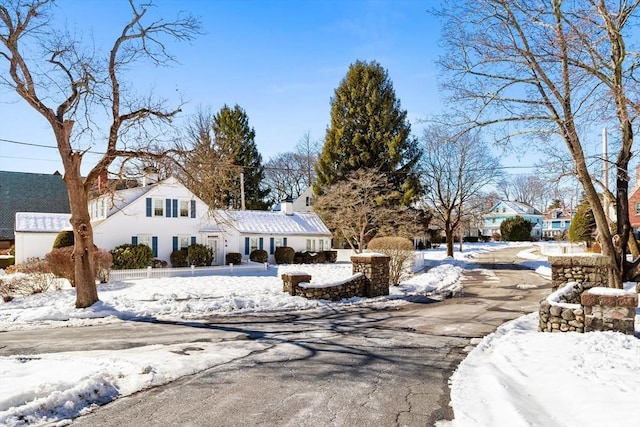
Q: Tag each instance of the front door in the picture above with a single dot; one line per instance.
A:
(212, 242)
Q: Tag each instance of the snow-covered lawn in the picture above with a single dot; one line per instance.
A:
(514, 377)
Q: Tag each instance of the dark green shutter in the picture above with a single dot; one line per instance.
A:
(175, 243)
(284, 241)
(175, 208)
(193, 209)
(193, 240)
(154, 246)
(272, 245)
(149, 207)
(261, 244)
(247, 246)
(134, 240)
(168, 205)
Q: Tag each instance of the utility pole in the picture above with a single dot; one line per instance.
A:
(605, 174)
(242, 207)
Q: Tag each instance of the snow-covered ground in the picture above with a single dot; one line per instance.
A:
(513, 377)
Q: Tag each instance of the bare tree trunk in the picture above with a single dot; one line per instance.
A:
(84, 248)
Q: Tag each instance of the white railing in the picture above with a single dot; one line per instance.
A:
(148, 273)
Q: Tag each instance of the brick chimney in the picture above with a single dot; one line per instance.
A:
(103, 183)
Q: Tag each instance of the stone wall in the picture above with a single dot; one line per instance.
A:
(589, 271)
(558, 315)
(601, 309)
(607, 309)
(370, 279)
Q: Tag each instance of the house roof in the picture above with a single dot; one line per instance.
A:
(42, 222)
(270, 222)
(29, 192)
(519, 207)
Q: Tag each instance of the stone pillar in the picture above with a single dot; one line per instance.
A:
(607, 309)
(290, 282)
(375, 268)
(589, 271)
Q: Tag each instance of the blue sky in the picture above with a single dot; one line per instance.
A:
(280, 60)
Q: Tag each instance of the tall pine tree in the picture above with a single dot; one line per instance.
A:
(368, 130)
(234, 140)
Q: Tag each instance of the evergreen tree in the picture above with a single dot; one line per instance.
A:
(369, 131)
(516, 229)
(234, 139)
(583, 224)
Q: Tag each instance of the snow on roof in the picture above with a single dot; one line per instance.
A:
(38, 222)
(269, 222)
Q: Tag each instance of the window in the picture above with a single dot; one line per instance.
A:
(158, 207)
(184, 208)
(144, 239)
(308, 200)
(321, 245)
(311, 245)
(637, 208)
(254, 244)
(185, 241)
(279, 242)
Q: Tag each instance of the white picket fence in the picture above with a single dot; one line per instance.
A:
(147, 273)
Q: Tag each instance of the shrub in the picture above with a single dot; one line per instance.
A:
(158, 263)
(64, 239)
(516, 229)
(234, 258)
(103, 261)
(400, 250)
(298, 258)
(179, 258)
(583, 224)
(32, 277)
(6, 262)
(130, 256)
(200, 255)
(259, 255)
(60, 263)
(331, 256)
(284, 255)
(306, 257)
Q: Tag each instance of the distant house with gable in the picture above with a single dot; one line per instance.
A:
(504, 209)
(556, 222)
(28, 192)
(166, 216)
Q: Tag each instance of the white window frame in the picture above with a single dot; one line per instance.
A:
(182, 238)
(158, 207)
(145, 239)
(183, 208)
(253, 244)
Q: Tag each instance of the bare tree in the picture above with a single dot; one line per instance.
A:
(207, 171)
(454, 168)
(288, 175)
(529, 189)
(550, 69)
(67, 86)
(364, 205)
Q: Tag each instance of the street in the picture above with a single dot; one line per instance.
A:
(356, 367)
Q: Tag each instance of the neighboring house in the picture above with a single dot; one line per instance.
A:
(507, 209)
(304, 201)
(166, 216)
(35, 233)
(556, 222)
(28, 192)
(634, 204)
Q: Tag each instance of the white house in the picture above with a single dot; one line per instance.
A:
(166, 216)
